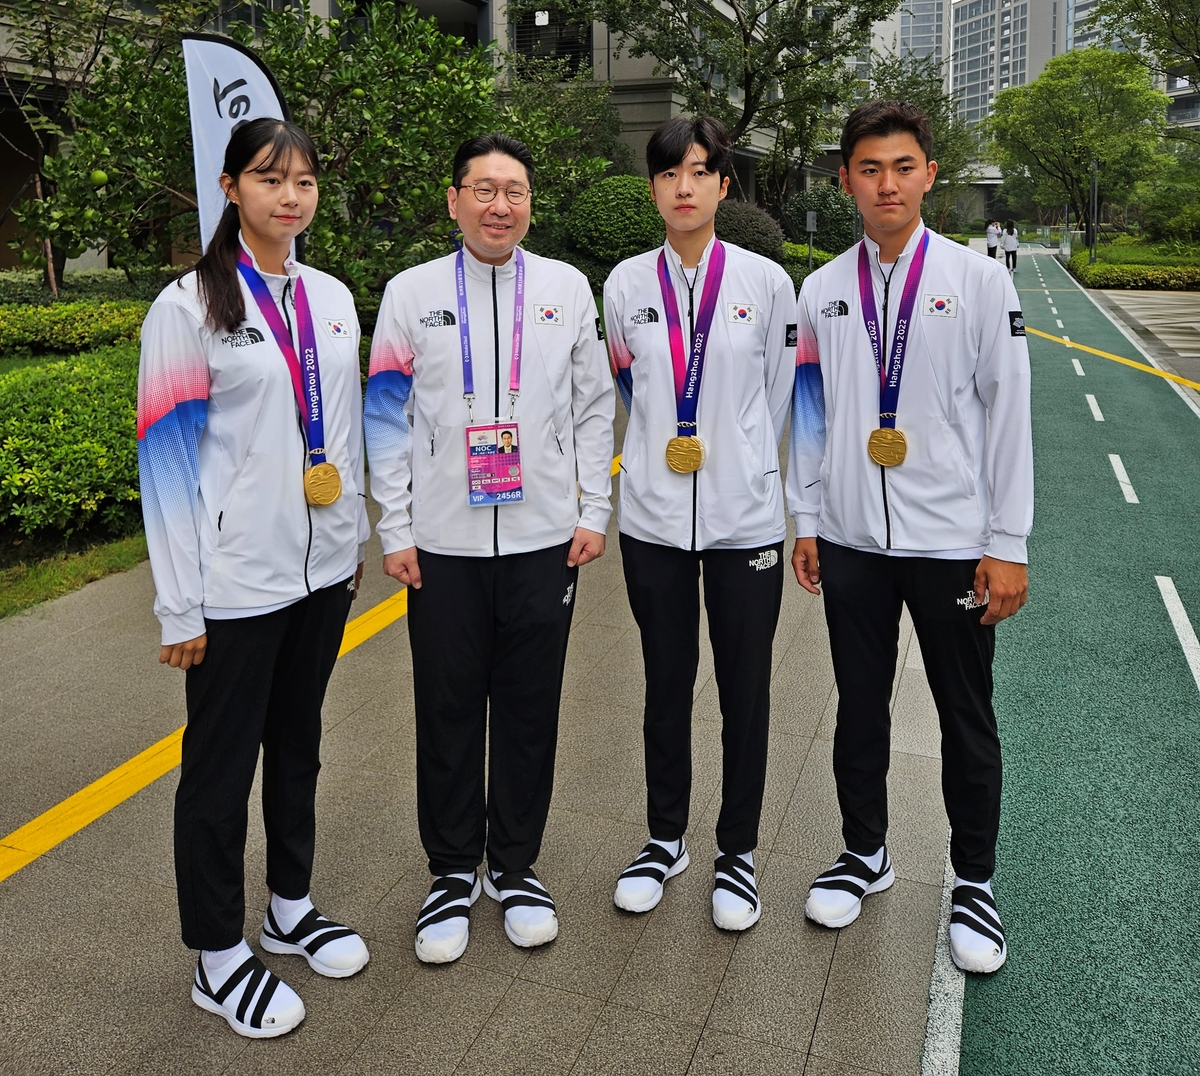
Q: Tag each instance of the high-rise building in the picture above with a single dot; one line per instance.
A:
(1081, 30)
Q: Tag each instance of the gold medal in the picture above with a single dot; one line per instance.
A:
(685, 454)
(887, 447)
(322, 484)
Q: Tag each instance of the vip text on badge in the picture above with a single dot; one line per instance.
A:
(941, 306)
(743, 313)
(545, 314)
(338, 328)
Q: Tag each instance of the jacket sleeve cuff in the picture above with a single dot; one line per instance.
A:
(1010, 547)
(396, 541)
(180, 627)
(806, 523)
(362, 552)
(595, 517)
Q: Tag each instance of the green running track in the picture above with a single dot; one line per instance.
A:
(1098, 876)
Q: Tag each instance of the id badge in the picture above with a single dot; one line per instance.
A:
(493, 464)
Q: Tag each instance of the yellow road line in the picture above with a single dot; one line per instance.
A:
(375, 619)
(616, 464)
(1115, 358)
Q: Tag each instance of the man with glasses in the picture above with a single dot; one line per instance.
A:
(475, 352)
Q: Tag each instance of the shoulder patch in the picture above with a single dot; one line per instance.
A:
(793, 336)
(599, 329)
(1016, 323)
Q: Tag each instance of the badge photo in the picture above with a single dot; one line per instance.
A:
(545, 314)
(941, 306)
(743, 314)
(338, 329)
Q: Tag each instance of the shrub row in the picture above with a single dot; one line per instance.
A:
(69, 327)
(68, 444)
(795, 261)
(25, 285)
(1134, 277)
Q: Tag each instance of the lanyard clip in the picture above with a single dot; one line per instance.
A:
(470, 398)
(512, 404)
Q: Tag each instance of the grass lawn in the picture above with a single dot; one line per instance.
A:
(1165, 254)
(31, 573)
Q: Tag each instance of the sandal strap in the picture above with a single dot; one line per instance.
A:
(452, 902)
(852, 875)
(525, 890)
(736, 876)
(652, 862)
(976, 908)
(258, 975)
(313, 923)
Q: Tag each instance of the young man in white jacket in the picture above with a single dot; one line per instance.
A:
(910, 477)
(701, 335)
(474, 355)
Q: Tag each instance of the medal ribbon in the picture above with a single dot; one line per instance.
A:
(305, 371)
(464, 330)
(889, 375)
(689, 369)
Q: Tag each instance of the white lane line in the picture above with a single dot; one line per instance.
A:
(943, 1026)
(1078, 367)
(1054, 311)
(1059, 321)
(1181, 623)
(1067, 341)
(1096, 413)
(1123, 479)
(1049, 298)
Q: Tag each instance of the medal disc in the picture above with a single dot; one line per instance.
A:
(685, 454)
(322, 484)
(887, 447)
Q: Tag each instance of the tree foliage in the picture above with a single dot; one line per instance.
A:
(837, 217)
(1087, 105)
(1168, 30)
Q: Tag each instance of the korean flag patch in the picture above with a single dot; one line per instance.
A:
(743, 313)
(941, 306)
(543, 314)
(338, 329)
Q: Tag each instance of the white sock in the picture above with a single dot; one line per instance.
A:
(219, 964)
(288, 913)
(672, 847)
(728, 902)
(985, 886)
(874, 862)
(449, 928)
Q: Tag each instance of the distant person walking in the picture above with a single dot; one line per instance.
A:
(1010, 241)
(993, 237)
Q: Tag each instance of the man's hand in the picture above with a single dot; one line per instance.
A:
(357, 580)
(585, 546)
(804, 564)
(403, 567)
(184, 655)
(1005, 584)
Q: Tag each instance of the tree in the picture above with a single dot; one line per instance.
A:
(1087, 105)
(900, 77)
(1169, 30)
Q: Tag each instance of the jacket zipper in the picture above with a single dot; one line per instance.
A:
(496, 412)
(691, 286)
(287, 290)
(883, 343)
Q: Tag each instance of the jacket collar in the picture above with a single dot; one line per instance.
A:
(905, 255)
(675, 263)
(291, 266)
(478, 270)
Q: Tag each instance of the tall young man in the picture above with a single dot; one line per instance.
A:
(699, 337)
(489, 425)
(911, 482)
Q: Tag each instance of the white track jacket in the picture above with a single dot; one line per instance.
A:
(221, 454)
(416, 416)
(735, 500)
(966, 486)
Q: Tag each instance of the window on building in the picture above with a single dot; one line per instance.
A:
(539, 37)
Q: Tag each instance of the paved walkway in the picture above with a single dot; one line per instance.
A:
(1166, 323)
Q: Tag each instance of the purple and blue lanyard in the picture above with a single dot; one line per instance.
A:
(464, 335)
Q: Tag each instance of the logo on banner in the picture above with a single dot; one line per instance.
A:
(243, 337)
(743, 313)
(941, 306)
(836, 309)
(1016, 323)
(548, 315)
(645, 316)
(436, 319)
(338, 329)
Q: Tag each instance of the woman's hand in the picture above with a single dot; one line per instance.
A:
(184, 655)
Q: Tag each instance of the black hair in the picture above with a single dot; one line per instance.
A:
(1008, 226)
(497, 142)
(216, 271)
(503, 432)
(671, 140)
(878, 119)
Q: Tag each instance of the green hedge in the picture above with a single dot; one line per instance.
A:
(749, 227)
(68, 444)
(795, 261)
(615, 218)
(69, 327)
(837, 216)
(1134, 277)
(25, 285)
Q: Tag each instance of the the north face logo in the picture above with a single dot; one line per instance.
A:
(569, 594)
(836, 309)
(435, 319)
(768, 558)
(969, 602)
(644, 316)
(243, 337)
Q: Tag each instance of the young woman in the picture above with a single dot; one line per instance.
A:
(702, 338)
(993, 237)
(250, 452)
(1010, 241)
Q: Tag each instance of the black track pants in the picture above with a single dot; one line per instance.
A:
(742, 592)
(863, 597)
(262, 683)
(488, 630)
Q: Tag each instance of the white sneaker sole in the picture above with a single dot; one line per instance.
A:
(978, 966)
(245, 1030)
(319, 966)
(426, 957)
(811, 912)
(546, 934)
(680, 866)
(744, 924)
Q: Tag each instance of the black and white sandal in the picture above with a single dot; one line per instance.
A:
(640, 886)
(444, 925)
(734, 876)
(835, 898)
(530, 917)
(330, 948)
(264, 1006)
(978, 944)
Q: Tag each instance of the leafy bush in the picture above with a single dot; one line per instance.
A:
(1186, 223)
(25, 285)
(69, 327)
(837, 217)
(965, 240)
(68, 444)
(552, 243)
(1134, 277)
(615, 218)
(747, 226)
(795, 261)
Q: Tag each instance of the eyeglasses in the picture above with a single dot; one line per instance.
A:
(485, 192)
